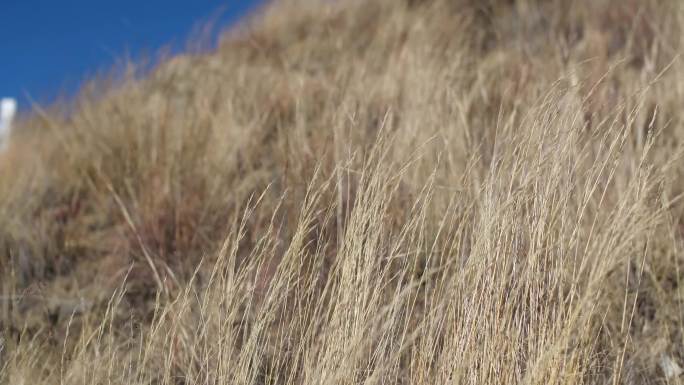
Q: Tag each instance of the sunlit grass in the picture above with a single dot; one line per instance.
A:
(414, 192)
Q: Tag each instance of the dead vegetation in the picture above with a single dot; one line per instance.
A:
(395, 192)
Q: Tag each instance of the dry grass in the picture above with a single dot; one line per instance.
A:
(391, 192)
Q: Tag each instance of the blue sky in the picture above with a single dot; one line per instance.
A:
(50, 46)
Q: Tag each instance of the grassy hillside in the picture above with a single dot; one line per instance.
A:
(377, 192)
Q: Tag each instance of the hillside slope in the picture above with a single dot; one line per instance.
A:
(418, 192)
